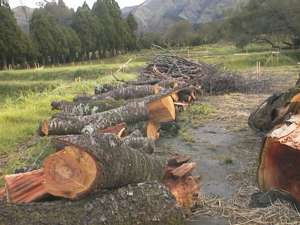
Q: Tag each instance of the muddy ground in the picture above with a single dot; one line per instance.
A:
(227, 152)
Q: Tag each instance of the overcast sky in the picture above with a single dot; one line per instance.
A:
(72, 3)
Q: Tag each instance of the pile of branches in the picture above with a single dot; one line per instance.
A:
(208, 77)
(105, 148)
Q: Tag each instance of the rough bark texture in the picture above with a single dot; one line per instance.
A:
(137, 141)
(145, 204)
(87, 107)
(131, 92)
(131, 113)
(274, 110)
(119, 164)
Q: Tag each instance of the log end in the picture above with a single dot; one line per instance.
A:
(279, 168)
(162, 110)
(153, 130)
(70, 173)
(43, 129)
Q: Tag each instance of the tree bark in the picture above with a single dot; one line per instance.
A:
(159, 110)
(130, 113)
(86, 107)
(131, 92)
(117, 165)
(274, 110)
(147, 204)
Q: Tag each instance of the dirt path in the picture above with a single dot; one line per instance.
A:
(226, 151)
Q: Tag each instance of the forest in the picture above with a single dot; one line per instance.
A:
(60, 35)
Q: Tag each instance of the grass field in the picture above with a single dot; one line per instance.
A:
(25, 95)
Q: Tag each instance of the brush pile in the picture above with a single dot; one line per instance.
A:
(202, 75)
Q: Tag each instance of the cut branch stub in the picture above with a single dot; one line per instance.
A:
(280, 159)
(71, 173)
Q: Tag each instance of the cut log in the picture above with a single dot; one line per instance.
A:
(117, 165)
(147, 204)
(280, 159)
(158, 110)
(25, 187)
(274, 110)
(68, 174)
(87, 107)
(131, 92)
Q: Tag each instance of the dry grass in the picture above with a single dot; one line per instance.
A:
(237, 212)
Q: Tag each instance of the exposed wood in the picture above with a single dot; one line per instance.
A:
(184, 169)
(185, 189)
(147, 204)
(158, 110)
(162, 110)
(115, 165)
(70, 173)
(118, 129)
(25, 187)
(86, 107)
(149, 129)
(119, 165)
(280, 159)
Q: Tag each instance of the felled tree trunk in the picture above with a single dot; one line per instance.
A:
(131, 92)
(86, 107)
(101, 161)
(159, 110)
(147, 204)
(275, 110)
(280, 159)
(89, 163)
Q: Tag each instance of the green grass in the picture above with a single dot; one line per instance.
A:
(20, 118)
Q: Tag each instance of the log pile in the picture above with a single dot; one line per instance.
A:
(105, 154)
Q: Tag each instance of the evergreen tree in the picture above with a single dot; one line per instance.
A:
(88, 29)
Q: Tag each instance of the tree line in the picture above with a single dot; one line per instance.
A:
(275, 22)
(59, 34)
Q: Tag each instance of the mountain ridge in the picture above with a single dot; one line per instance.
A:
(157, 15)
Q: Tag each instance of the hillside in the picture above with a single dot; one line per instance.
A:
(23, 15)
(157, 15)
